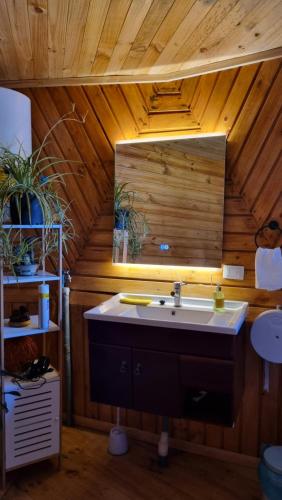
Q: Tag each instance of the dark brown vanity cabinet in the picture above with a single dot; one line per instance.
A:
(178, 373)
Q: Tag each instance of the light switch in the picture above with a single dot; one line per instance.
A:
(233, 272)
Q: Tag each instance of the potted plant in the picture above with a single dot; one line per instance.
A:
(128, 219)
(28, 250)
(31, 194)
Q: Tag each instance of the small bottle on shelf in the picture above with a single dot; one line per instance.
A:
(43, 307)
(218, 298)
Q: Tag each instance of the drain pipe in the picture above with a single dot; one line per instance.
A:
(163, 444)
(67, 344)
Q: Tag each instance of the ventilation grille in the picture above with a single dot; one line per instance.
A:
(32, 425)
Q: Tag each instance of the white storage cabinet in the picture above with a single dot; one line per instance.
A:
(31, 429)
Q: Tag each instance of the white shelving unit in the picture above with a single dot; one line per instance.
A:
(8, 439)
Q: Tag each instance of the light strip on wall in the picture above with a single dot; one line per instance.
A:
(165, 267)
(172, 137)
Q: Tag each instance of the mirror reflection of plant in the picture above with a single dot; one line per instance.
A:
(122, 198)
(127, 218)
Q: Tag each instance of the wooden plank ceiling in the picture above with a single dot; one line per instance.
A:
(56, 42)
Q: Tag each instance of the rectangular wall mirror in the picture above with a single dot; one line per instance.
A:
(169, 201)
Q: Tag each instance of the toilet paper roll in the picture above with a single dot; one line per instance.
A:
(266, 336)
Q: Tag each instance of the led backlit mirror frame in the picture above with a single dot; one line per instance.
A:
(169, 200)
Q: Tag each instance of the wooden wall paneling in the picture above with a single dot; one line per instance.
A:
(202, 94)
(217, 100)
(99, 139)
(276, 212)
(80, 372)
(86, 200)
(259, 132)
(249, 438)
(214, 436)
(265, 164)
(267, 199)
(93, 178)
(133, 96)
(249, 103)
(270, 407)
(104, 113)
(235, 99)
(254, 100)
(231, 436)
(121, 111)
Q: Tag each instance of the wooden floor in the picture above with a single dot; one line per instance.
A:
(89, 472)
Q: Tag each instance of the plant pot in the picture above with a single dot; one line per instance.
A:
(35, 216)
(25, 269)
(121, 218)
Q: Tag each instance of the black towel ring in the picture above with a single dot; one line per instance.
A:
(273, 225)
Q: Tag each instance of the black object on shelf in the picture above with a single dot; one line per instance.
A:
(273, 225)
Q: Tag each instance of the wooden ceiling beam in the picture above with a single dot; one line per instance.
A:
(110, 79)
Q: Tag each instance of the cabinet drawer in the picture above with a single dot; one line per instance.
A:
(206, 374)
(155, 338)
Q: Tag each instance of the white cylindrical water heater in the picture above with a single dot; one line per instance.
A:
(15, 122)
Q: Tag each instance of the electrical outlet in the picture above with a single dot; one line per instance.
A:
(233, 272)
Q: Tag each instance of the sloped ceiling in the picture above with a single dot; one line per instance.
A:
(56, 42)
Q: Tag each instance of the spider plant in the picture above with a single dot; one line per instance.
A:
(13, 248)
(127, 218)
(29, 182)
(26, 180)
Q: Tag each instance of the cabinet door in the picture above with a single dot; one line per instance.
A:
(207, 389)
(156, 382)
(110, 372)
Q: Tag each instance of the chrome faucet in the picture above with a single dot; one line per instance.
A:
(176, 293)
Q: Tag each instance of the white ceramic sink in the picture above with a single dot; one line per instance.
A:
(194, 314)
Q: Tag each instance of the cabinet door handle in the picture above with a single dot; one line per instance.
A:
(123, 367)
(138, 369)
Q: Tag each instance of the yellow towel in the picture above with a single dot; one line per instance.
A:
(135, 301)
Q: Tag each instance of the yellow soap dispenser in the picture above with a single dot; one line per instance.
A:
(218, 298)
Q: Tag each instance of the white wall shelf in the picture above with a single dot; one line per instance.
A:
(35, 226)
(12, 332)
(8, 332)
(39, 277)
